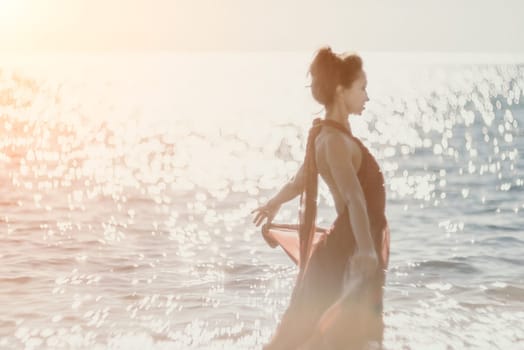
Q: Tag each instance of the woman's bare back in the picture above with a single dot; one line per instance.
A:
(331, 161)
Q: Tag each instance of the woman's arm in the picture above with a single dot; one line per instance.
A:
(289, 191)
(343, 157)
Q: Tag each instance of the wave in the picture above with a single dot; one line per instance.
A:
(447, 265)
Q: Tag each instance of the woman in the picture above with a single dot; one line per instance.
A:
(337, 299)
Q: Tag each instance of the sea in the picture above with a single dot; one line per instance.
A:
(127, 180)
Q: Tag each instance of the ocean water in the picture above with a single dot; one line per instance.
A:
(127, 181)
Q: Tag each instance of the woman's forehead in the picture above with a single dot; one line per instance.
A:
(362, 77)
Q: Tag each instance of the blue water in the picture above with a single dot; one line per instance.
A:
(127, 182)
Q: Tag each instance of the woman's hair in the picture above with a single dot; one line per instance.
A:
(329, 70)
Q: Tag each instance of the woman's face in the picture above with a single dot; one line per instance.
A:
(355, 97)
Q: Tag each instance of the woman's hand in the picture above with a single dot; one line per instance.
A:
(267, 211)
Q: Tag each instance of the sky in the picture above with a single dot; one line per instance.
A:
(262, 25)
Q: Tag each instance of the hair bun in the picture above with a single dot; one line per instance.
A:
(328, 70)
(324, 70)
(324, 61)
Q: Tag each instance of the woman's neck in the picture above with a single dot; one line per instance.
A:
(339, 118)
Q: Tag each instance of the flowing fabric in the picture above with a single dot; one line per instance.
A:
(318, 317)
(286, 236)
(308, 200)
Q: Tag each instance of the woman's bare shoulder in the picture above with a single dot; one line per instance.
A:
(334, 140)
(336, 149)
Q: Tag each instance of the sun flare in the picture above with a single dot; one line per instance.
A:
(11, 12)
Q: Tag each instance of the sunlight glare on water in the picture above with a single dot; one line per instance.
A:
(128, 187)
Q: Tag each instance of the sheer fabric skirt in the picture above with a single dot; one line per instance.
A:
(323, 313)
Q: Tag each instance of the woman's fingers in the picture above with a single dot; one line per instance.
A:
(262, 213)
(256, 209)
(259, 218)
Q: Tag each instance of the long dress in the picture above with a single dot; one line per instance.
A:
(316, 317)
